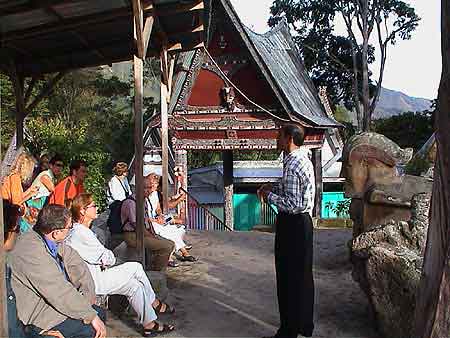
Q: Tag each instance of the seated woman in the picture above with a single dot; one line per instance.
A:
(13, 186)
(169, 227)
(128, 279)
(45, 182)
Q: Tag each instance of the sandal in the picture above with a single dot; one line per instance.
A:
(168, 309)
(172, 264)
(157, 329)
(188, 258)
(188, 247)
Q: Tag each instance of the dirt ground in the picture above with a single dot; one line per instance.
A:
(230, 291)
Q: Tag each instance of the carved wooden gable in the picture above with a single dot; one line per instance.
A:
(207, 89)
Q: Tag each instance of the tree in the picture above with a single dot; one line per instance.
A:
(408, 130)
(433, 299)
(342, 62)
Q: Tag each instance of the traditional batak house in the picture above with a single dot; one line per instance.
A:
(237, 92)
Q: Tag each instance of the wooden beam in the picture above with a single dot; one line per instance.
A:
(170, 79)
(45, 92)
(148, 27)
(177, 9)
(20, 104)
(164, 130)
(80, 38)
(164, 65)
(138, 26)
(175, 47)
(70, 24)
(6, 8)
(138, 67)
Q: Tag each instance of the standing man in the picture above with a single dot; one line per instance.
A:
(294, 198)
(71, 186)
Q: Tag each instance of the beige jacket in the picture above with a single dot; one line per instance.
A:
(44, 296)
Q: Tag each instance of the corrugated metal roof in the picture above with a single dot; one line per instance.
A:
(282, 58)
(207, 197)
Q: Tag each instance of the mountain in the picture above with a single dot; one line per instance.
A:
(394, 103)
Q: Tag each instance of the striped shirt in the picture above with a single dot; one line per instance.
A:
(296, 191)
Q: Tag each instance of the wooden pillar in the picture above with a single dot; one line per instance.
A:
(228, 190)
(139, 155)
(138, 69)
(317, 162)
(18, 85)
(181, 160)
(164, 130)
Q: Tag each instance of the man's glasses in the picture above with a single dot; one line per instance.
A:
(59, 165)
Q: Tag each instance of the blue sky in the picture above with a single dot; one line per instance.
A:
(413, 66)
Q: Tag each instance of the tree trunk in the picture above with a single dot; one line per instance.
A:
(433, 298)
(365, 67)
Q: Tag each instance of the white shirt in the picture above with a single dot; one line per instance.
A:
(43, 191)
(118, 189)
(84, 241)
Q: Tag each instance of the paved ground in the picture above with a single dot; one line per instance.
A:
(230, 292)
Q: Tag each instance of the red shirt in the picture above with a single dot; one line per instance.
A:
(65, 190)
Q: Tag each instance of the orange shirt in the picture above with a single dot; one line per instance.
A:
(12, 189)
(64, 190)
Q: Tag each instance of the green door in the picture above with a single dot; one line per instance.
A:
(247, 211)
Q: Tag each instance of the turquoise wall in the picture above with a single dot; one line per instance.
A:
(247, 211)
(329, 200)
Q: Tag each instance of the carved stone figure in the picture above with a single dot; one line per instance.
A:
(378, 191)
(390, 215)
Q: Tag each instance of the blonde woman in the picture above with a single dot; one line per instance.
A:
(12, 186)
(128, 279)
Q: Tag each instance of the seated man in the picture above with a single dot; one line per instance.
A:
(160, 248)
(53, 287)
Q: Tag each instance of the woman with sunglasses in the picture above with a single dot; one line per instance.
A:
(128, 279)
(44, 183)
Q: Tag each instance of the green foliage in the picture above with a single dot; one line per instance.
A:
(407, 130)
(417, 166)
(54, 136)
(198, 159)
(342, 208)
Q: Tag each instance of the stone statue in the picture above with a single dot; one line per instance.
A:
(390, 215)
(379, 193)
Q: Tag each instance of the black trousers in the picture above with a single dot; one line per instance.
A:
(295, 284)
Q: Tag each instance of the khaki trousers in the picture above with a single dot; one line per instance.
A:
(160, 249)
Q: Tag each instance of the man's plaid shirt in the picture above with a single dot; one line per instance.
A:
(296, 191)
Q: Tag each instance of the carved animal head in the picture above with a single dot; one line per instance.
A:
(228, 97)
(368, 159)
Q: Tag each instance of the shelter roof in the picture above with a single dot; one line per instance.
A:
(47, 36)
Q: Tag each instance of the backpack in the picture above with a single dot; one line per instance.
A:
(114, 221)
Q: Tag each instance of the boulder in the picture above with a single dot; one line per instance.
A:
(387, 263)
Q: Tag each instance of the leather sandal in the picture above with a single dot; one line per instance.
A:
(168, 309)
(157, 329)
(188, 258)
